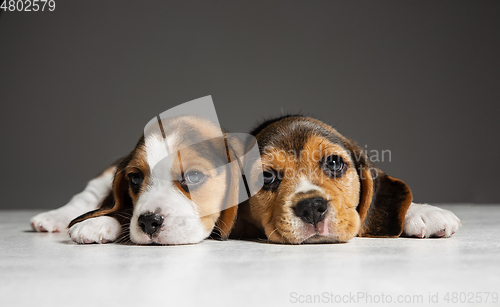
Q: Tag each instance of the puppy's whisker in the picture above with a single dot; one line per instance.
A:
(272, 232)
(219, 229)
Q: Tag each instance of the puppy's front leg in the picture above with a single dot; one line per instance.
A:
(89, 199)
(101, 229)
(425, 221)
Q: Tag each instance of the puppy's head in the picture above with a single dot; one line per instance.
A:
(177, 185)
(320, 187)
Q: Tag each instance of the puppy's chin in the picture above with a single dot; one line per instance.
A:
(330, 230)
(174, 231)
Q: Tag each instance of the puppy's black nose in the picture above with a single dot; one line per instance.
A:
(311, 210)
(150, 223)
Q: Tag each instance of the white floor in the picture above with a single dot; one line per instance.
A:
(40, 269)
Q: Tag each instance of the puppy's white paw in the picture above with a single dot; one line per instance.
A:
(101, 229)
(424, 221)
(50, 221)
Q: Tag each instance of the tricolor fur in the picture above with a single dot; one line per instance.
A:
(321, 187)
(149, 198)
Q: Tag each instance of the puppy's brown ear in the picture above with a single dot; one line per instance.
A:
(226, 221)
(118, 203)
(383, 201)
(227, 218)
(383, 204)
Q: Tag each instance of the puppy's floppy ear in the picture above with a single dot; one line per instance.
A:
(383, 202)
(118, 203)
(226, 221)
(227, 218)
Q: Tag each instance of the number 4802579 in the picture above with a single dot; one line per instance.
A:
(28, 5)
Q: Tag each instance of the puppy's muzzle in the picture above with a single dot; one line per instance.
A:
(311, 210)
(150, 223)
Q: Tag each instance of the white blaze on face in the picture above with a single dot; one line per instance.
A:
(156, 148)
(306, 186)
(181, 222)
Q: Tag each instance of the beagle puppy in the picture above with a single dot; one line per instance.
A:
(178, 185)
(320, 187)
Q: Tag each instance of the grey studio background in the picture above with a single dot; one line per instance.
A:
(418, 78)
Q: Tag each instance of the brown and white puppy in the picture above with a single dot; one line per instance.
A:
(320, 187)
(175, 187)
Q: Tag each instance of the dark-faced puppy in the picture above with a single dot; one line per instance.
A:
(320, 186)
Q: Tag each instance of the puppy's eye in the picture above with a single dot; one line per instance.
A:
(194, 177)
(272, 180)
(135, 180)
(269, 177)
(333, 166)
(334, 163)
